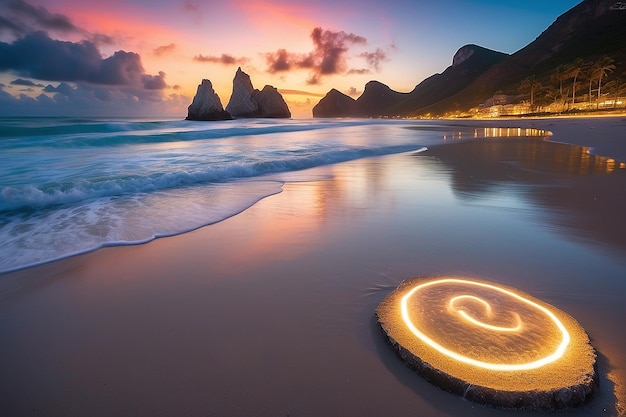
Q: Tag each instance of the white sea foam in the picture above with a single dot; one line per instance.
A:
(68, 186)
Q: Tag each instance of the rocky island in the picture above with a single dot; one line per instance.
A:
(206, 104)
(245, 101)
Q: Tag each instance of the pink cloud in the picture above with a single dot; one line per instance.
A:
(224, 59)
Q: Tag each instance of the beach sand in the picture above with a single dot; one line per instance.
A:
(271, 312)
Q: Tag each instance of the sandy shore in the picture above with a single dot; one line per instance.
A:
(271, 312)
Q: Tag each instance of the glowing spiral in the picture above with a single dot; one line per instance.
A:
(470, 320)
(489, 343)
(487, 307)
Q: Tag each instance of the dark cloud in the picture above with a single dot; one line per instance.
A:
(89, 99)
(7, 25)
(28, 17)
(19, 18)
(154, 82)
(331, 48)
(224, 59)
(329, 56)
(37, 56)
(28, 83)
(82, 81)
(165, 49)
(280, 61)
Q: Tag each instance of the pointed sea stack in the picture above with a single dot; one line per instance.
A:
(241, 103)
(246, 101)
(206, 104)
(335, 104)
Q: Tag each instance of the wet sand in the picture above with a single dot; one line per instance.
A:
(271, 312)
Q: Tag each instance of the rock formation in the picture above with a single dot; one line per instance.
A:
(206, 104)
(271, 103)
(335, 104)
(246, 101)
(241, 103)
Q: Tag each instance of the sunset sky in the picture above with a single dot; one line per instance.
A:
(146, 57)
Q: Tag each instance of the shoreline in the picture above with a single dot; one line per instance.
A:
(566, 130)
(271, 312)
(561, 129)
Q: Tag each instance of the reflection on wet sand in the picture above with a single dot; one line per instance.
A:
(498, 132)
(582, 202)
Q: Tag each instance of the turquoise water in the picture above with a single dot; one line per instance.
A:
(70, 185)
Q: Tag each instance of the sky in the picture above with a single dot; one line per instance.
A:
(145, 58)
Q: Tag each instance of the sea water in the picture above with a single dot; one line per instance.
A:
(69, 186)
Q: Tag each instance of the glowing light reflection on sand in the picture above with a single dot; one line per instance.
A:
(554, 356)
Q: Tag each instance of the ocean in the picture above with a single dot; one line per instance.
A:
(69, 185)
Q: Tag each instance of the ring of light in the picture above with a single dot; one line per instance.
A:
(486, 365)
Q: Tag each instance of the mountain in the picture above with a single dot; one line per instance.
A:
(589, 31)
(468, 63)
(335, 104)
(377, 99)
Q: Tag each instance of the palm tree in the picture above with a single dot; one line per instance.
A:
(618, 87)
(531, 85)
(575, 69)
(560, 74)
(600, 69)
(555, 99)
(590, 75)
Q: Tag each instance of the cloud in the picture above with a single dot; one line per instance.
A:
(375, 58)
(88, 100)
(38, 56)
(164, 49)
(331, 48)
(299, 93)
(19, 18)
(82, 80)
(27, 17)
(359, 71)
(28, 83)
(224, 59)
(352, 91)
(154, 82)
(191, 6)
(329, 56)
